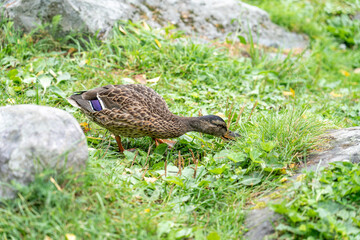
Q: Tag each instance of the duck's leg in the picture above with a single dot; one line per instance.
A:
(170, 143)
(121, 148)
(118, 140)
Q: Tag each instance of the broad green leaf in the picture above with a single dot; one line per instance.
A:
(279, 207)
(183, 233)
(218, 170)
(129, 155)
(356, 177)
(187, 172)
(17, 88)
(283, 227)
(30, 93)
(323, 213)
(57, 91)
(195, 95)
(201, 171)
(251, 181)
(303, 228)
(29, 80)
(164, 228)
(237, 156)
(175, 180)
(272, 163)
(241, 39)
(161, 149)
(213, 236)
(45, 81)
(255, 154)
(268, 146)
(222, 155)
(204, 183)
(13, 75)
(295, 216)
(63, 77)
(171, 170)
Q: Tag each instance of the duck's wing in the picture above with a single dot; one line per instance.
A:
(89, 100)
(131, 97)
(145, 97)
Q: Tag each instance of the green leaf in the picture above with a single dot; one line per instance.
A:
(183, 233)
(12, 74)
(161, 149)
(356, 177)
(283, 227)
(194, 95)
(204, 183)
(222, 155)
(356, 221)
(255, 154)
(175, 180)
(17, 88)
(171, 170)
(242, 39)
(57, 91)
(213, 236)
(30, 93)
(279, 207)
(303, 228)
(295, 216)
(250, 181)
(164, 228)
(63, 77)
(218, 170)
(268, 146)
(29, 80)
(272, 163)
(237, 156)
(45, 81)
(129, 155)
(187, 172)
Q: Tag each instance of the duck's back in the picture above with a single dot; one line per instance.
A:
(139, 96)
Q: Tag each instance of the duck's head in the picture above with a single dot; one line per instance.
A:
(213, 125)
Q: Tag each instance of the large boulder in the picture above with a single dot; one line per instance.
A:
(208, 18)
(33, 138)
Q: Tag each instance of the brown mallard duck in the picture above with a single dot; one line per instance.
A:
(135, 110)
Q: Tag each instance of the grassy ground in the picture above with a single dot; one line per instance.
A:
(280, 107)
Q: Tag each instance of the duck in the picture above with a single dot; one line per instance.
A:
(134, 110)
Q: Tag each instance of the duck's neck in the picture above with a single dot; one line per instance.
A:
(191, 124)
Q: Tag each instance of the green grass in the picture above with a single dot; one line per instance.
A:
(328, 207)
(117, 197)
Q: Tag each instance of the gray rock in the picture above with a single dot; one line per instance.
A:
(261, 223)
(356, 16)
(212, 19)
(343, 145)
(33, 138)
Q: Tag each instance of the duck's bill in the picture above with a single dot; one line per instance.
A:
(229, 135)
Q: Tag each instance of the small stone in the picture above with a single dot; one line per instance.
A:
(33, 138)
(342, 46)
